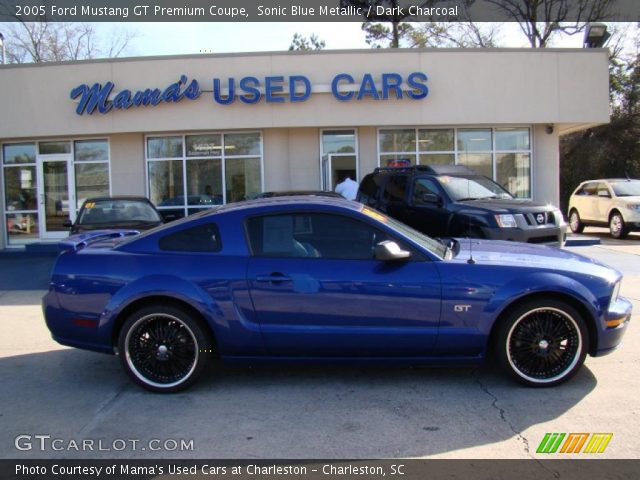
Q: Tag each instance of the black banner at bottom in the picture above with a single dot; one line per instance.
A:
(396, 469)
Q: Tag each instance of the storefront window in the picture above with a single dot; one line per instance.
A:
(512, 171)
(512, 139)
(204, 145)
(91, 150)
(166, 185)
(505, 151)
(20, 188)
(242, 178)
(204, 182)
(164, 147)
(91, 169)
(398, 140)
(18, 153)
(436, 140)
(53, 148)
(92, 180)
(195, 180)
(338, 141)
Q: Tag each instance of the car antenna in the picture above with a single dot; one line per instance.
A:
(627, 175)
(470, 261)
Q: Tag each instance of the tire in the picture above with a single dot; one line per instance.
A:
(174, 361)
(617, 227)
(575, 224)
(542, 343)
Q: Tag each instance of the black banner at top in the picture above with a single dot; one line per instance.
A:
(314, 10)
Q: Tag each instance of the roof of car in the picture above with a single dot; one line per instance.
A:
(611, 180)
(292, 200)
(117, 197)
(429, 170)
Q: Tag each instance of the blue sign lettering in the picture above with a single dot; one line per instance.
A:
(251, 90)
(97, 96)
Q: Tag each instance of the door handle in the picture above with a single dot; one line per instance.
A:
(275, 277)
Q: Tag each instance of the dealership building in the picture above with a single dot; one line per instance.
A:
(189, 132)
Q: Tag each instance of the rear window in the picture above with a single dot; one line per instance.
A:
(202, 238)
(117, 210)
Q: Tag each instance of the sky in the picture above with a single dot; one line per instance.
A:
(188, 38)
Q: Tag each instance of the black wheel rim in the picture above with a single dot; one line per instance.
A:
(161, 350)
(544, 345)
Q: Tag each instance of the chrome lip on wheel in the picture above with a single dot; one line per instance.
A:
(615, 225)
(544, 345)
(161, 350)
(574, 222)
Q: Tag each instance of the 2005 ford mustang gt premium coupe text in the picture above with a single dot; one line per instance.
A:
(291, 278)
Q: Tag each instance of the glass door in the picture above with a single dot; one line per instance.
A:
(55, 202)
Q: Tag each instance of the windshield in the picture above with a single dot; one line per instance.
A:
(472, 188)
(626, 189)
(117, 211)
(420, 238)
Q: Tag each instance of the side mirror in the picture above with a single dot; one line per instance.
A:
(168, 218)
(388, 251)
(431, 198)
(67, 223)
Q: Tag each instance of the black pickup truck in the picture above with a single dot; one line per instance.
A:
(455, 201)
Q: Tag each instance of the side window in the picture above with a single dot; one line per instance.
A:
(396, 189)
(203, 238)
(422, 186)
(603, 191)
(313, 235)
(590, 189)
(370, 189)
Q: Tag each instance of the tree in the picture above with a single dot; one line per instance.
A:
(454, 35)
(379, 13)
(610, 150)
(542, 20)
(35, 42)
(300, 42)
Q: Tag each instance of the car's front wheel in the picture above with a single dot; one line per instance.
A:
(574, 222)
(617, 227)
(163, 348)
(542, 343)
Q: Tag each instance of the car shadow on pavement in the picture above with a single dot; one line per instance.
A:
(25, 271)
(276, 411)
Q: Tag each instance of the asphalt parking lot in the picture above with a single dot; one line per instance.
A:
(303, 411)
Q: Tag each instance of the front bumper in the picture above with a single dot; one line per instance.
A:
(546, 235)
(614, 325)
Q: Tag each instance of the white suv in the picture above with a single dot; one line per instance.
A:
(611, 202)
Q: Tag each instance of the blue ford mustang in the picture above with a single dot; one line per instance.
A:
(292, 278)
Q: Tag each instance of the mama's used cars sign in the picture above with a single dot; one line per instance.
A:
(103, 98)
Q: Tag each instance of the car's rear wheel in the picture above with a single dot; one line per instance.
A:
(617, 227)
(542, 343)
(574, 222)
(163, 348)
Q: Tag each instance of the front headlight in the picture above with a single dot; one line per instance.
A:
(616, 291)
(634, 206)
(506, 221)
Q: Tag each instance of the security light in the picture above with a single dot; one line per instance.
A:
(595, 35)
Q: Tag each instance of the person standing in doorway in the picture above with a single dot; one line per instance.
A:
(347, 188)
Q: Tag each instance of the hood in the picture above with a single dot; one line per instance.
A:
(504, 253)
(497, 205)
